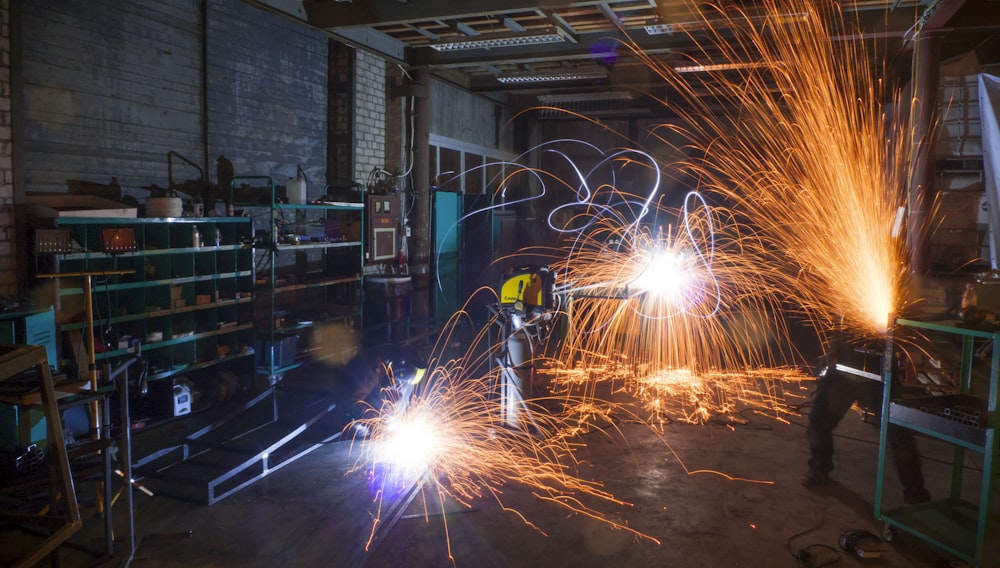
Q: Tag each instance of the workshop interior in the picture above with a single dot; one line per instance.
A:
(521, 283)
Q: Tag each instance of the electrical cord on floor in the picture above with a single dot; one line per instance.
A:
(810, 556)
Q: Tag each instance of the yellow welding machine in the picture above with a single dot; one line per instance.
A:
(531, 286)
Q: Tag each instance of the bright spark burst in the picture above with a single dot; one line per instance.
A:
(684, 305)
(806, 151)
(665, 275)
(450, 442)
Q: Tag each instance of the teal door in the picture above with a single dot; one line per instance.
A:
(446, 279)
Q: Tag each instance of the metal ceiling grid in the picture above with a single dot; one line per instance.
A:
(428, 33)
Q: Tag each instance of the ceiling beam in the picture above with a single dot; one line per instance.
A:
(594, 45)
(330, 14)
(532, 53)
(937, 14)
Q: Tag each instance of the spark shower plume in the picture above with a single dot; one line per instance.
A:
(803, 147)
(450, 442)
(811, 168)
(678, 316)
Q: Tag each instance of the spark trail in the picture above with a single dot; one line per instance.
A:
(797, 136)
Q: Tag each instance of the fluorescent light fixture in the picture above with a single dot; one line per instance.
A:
(660, 29)
(717, 67)
(586, 97)
(567, 74)
(549, 35)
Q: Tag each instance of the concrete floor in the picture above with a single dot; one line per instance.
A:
(310, 513)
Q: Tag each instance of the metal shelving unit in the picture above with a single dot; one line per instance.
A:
(184, 291)
(308, 269)
(969, 421)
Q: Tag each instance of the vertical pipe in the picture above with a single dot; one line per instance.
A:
(204, 96)
(925, 88)
(125, 444)
(107, 493)
(95, 409)
(420, 255)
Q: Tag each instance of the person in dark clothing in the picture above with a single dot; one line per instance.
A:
(365, 381)
(837, 389)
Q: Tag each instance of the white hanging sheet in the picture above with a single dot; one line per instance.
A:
(989, 112)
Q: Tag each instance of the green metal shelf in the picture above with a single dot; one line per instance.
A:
(163, 282)
(308, 246)
(164, 269)
(147, 220)
(946, 524)
(266, 371)
(334, 266)
(966, 529)
(198, 366)
(90, 255)
(315, 283)
(326, 205)
(175, 341)
(162, 313)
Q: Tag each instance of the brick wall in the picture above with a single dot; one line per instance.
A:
(8, 273)
(369, 107)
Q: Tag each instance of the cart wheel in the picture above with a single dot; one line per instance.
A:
(889, 533)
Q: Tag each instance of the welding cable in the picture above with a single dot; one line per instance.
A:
(806, 557)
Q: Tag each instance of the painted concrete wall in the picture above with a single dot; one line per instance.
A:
(267, 94)
(474, 119)
(109, 88)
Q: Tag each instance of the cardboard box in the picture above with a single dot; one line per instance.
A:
(52, 206)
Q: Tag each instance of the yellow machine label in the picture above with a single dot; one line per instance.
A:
(524, 287)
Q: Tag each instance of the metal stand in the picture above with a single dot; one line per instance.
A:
(963, 528)
(88, 292)
(15, 360)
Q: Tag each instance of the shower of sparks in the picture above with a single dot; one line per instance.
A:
(679, 318)
(450, 442)
(803, 146)
(661, 396)
(682, 317)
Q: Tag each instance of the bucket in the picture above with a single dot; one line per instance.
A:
(295, 191)
(164, 207)
(387, 299)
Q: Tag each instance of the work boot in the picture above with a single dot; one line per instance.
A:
(815, 478)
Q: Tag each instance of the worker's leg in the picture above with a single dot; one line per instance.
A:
(903, 447)
(906, 458)
(834, 396)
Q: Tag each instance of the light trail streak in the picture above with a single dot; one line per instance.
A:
(685, 306)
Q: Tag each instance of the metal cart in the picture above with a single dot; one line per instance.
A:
(964, 528)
